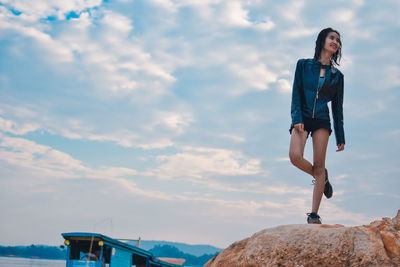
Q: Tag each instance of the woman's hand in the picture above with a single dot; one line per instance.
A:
(299, 127)
(340, 147)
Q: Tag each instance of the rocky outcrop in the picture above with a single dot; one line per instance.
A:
(376, 244)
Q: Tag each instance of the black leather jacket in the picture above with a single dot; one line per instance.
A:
(309, 101)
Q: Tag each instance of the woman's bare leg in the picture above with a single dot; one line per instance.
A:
(320, 143)
(296, 151)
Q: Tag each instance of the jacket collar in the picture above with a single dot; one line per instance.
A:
(322, 65)
(329, 68)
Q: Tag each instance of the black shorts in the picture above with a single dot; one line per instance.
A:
(311, 125)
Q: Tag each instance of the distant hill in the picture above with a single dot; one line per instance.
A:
(196, 250)
(172, 252)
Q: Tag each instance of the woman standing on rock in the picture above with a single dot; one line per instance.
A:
(317, 82)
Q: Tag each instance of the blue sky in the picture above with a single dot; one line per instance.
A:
(169, 120)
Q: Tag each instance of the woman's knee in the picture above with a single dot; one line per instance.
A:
(295, 158)
(319, 169)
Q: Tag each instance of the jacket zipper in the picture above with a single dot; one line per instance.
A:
(316, 96)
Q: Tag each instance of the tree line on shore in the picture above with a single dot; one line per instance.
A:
(34, 251)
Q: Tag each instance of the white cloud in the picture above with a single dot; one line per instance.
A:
(110, 57)
(122, 65)
(234, 14)
(255, 76)
(58, 51)
(166, 4)
(254, 187)
(47, 163)
(284, 86)
(38, 158)
(391, 75)
(367, 111)
(282, 159)
(340, 179)
(355, 3)
(124, 138)
(234, 138)
(12, 127)
(198, 162)
(250, 116)
(285, 190)
(115, 26)
(267, 25)
(299, 32)
(335, 213)
(35, 10)
(175, 121)
(155, 144)
(85, 129)
(344, 15)
(292, 11)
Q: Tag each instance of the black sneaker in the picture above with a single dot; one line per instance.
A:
(313, 218)
(328, 191)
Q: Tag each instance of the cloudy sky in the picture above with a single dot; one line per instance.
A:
(169, 119)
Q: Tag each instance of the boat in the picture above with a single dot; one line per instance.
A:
(97, 250)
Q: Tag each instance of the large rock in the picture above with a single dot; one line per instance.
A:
(376, 244)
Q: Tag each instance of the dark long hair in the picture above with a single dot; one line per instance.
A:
(320, 42)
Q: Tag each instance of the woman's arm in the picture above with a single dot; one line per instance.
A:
(337, 112)
(296, 97)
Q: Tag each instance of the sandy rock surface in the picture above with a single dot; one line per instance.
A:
(376, 244)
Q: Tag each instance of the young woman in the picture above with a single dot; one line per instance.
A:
(317, 82)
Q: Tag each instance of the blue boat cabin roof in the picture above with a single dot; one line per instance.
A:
(114, 243)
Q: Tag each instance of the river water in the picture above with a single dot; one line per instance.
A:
(23, 262)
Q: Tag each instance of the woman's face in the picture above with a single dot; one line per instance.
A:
(332, 42)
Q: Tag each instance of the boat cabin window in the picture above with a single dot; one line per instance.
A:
(89, 251)
(138, 261)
